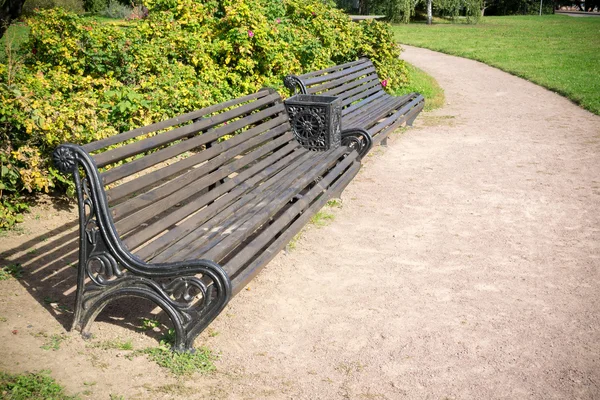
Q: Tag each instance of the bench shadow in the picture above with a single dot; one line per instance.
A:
(49, 274)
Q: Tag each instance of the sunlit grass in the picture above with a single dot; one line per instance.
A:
(558, 52)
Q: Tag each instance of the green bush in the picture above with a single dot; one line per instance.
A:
(30, 6)
(117, 10)
(81, 80)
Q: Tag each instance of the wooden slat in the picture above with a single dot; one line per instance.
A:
(153, 142)
(236, 213)
(270, 204)
(100, 144)
(334, 75)
(251, 249)
(334, 68)
(344, 79)
(378, 136)
(215, 200)
(389, 120)
(373, 112)
(361, 103)
(235, 238)
(173, 241)
(160, 199)
(353, 87)
(279, 123)
(184, 179)
(266, 255)
(351, 99)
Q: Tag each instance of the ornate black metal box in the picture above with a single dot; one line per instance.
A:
(315, 120)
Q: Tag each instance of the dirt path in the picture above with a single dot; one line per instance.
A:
(462, 265)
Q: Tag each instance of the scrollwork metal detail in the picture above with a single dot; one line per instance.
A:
(109, 272)
(357, 139)
(294, 84)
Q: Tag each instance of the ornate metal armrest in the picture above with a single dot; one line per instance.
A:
(108, 271)
(357, 139)
(294, 84)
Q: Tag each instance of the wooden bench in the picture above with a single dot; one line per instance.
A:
(187, 211)
(366, 105)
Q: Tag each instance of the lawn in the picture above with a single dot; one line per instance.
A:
(558, 52)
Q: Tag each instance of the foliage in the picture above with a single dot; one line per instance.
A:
(115, 9)
(78, 80)
(425, 84)
(31, 386)
(11, 271)
(95, 6)
(565, 63)
(31, 6)
(180, 363)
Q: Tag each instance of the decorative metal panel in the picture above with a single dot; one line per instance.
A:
(315, 120)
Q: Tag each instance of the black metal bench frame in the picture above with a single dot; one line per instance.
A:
(366, 106)
(248, 189)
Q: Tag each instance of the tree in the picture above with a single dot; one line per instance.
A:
(9, 11)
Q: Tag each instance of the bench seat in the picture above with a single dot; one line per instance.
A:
(187, 211)
(365, 104)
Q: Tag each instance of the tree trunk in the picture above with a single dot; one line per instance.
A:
(9, 10)
(363, 7)
(429, 12)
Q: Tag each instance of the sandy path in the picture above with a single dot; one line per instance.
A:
(463, 264)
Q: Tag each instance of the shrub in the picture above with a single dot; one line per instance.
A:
(81, 80)
(30, 6)
(117, 10)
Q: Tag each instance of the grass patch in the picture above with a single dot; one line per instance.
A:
(52, 342)
(114, 345)
(335, 203)
(322, 218)
(180, 363)
(11, 271)
(425, 84)
(31, 386)
(550, 50)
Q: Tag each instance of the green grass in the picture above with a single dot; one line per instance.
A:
(29, 386)
(322, 218)
(558, 52)
(11, 271)
(180, 363)
(425, 84)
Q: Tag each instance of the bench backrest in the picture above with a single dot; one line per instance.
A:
(354, 82)
(160, 179)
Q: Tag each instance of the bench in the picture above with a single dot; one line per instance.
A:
(185, 212)
(365, 104)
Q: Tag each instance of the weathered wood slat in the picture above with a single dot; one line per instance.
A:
(353, 87)
(189, 230)
(235, 238)
(335, 68)
(277, 125)
(383, 132)
(233, 266)
(122, 137)
(272, 203)
(338, 74)
(344, 79)
(267, 254)
(373, 112)
(218, 197)
(153, 142)
(159, 200)
(373, 95)
(402, 111)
